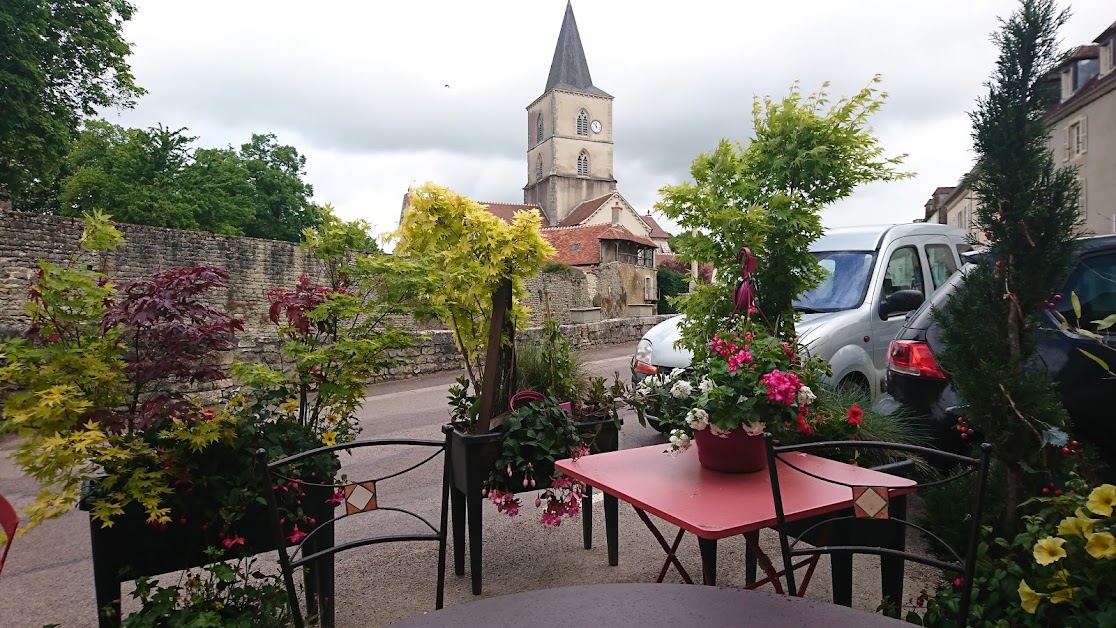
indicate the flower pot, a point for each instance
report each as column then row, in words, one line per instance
column 734, row 452
column 132, row 548
column 473, row 458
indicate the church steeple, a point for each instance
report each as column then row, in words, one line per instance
column 569, row 70
column 569, row 133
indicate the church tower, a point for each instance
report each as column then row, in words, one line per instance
column 569, row 133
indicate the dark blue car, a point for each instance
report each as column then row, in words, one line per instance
column 1088, row 392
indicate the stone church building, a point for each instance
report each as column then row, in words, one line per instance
column 570, row 179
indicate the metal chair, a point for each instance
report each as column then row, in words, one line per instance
column 9, row 521
column 357, row 497
column 871, row 504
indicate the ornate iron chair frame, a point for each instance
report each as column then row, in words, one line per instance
column 964, row 566
column 270, row 471
column 9, row 522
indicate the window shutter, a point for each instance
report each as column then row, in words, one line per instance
column 1084, row 135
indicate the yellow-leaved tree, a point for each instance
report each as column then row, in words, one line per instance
column 476, row 251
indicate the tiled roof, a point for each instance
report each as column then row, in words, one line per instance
column 942, row 190
column 1088, row 51
column 507, row 210
column 581, row 246
column 584, row 210
column 1108, row 31
column 657, row 232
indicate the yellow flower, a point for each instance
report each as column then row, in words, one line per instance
column 1061, row 579
column 1049, row 550
column 1081, row 525
column 1062, row 595
column 1101, row 545
column 289, row 407
column 1101, row 500
column 329, row 439
column 1028, row 599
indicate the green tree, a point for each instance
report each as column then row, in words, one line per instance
column 768, row 195
column 61, row 62
column 1028, row 209
column 283, row 208
column 132, row 172
column 154, row 177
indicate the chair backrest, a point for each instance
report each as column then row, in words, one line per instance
column 298, row 547
column 872, row 503
column 9, row 521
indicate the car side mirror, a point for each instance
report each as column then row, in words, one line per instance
column 901, row 301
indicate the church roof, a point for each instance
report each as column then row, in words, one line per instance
column 581, row 246
column 507, row 211
column 584, row 210
column 569, row 70
column 657, row 232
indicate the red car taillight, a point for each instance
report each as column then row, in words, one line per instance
column 913, row 357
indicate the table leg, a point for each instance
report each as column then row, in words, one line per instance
column 708, row 548
column 671, row 558
column 751, row 540
column 749, row 565
column 840, row 568
column 587, row 517
column 612, row 528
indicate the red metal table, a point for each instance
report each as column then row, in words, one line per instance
column 713, row 505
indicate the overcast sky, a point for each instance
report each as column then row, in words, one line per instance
column 382, row 95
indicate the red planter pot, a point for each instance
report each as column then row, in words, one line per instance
column 736, row 452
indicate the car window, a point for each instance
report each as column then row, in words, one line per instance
column 843, row 285
column 963, row 248
column 1094, row 283
column 942, row 264
column 903, row 272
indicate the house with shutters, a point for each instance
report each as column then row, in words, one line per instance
column 1082, row 135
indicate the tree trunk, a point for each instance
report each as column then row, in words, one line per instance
column 1009, row 519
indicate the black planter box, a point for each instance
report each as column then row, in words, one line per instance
column 472, row 460
column 131, row 548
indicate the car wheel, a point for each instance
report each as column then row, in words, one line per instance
column 855, row 382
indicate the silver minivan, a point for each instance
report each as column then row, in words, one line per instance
column 876, row 275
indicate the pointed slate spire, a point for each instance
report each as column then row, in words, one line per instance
column 569, row 69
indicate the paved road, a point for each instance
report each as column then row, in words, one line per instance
column 49, row 575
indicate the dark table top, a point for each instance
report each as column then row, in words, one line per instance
column 647, row 605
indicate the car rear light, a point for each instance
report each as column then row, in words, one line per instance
column 913, row 357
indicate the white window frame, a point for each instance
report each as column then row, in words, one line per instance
column 539, row 128
column 1077, row 138
column 583, row 123
column 583, row 164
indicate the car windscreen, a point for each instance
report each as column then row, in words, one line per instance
column 844, row 284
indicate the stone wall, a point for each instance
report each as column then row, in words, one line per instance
column 256, row 266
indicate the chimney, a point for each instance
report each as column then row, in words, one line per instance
column 616, row 214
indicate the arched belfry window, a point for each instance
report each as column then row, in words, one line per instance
column 539, row 128
column 583, row 123
column 538, row 168
column 583, row 164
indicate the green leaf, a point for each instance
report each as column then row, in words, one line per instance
column 1106, row 322
column 1076, row 305
column 1102, row 363
column 1055, row 437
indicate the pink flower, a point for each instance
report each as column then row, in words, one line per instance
column 297, row 535
column 551, row 519
column 229, row 542
column 337, row 498
column 561, row 482
column 781, row 387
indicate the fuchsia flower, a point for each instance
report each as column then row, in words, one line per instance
column 297, row 535
column 337, row 498
column 236, row 539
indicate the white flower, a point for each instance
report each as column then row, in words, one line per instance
column 681, row 389
column 697, row 419
column 706, row 385
column 676, row 373
column 755, row 428
column 679, row 441
column 806, row 396
column 741, row 399
column 718, row 432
